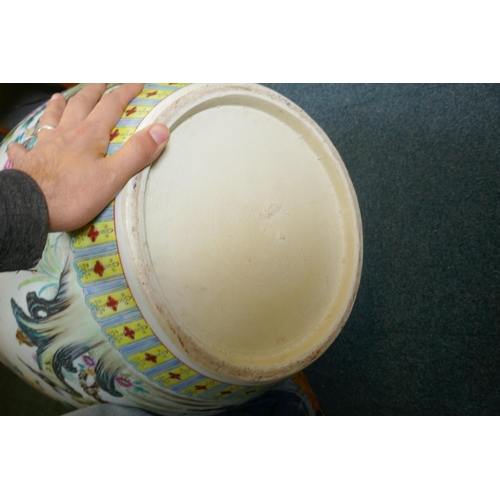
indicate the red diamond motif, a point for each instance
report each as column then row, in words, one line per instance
column 115, row 134
column 131, row 111
column 93, row 233
column 200, row 387
column 129, row 333
column 112, row 303
column 150, row 357
column 149, row 94
column 226, row 392
column 99, row 268
column 176, row 376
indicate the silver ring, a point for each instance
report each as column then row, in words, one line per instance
column 44, row 127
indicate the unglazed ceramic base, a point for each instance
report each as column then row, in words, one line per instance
column 228, row 265
column 246, row 234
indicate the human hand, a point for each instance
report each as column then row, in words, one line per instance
column 69, row 163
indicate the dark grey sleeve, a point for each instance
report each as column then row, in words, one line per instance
column 24, row 221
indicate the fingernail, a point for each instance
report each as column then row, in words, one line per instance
column 159, row 134
column 55, row 96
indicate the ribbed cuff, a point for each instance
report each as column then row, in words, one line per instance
column 24, row 221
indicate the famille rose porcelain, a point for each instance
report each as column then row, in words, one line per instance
column 224, row 268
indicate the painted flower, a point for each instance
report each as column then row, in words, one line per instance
column 29, row 142
column 123, row 381
column 89, row 360
column 8, row 165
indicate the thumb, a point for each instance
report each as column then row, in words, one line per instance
column 16, row 153
column 139, row 151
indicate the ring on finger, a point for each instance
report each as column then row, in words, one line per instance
column 44, row 127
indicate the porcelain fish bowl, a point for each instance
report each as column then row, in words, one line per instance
column 228, row 265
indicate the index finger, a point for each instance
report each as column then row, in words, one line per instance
column 110, row 108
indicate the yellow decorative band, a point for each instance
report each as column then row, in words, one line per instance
column 150, row 358
column 99, row 268
column 111, row 303
column 175, row 376
column 95, row 233
column 121, row 134
column 154, row 94
column 133, row 111
column 132, row 331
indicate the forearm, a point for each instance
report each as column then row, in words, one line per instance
column 24, row 221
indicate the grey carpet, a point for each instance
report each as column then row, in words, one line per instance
column 423, row 337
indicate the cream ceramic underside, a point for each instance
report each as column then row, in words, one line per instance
column 244, row 229
column 252, row 231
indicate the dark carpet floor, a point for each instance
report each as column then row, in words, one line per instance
column 424, row 335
